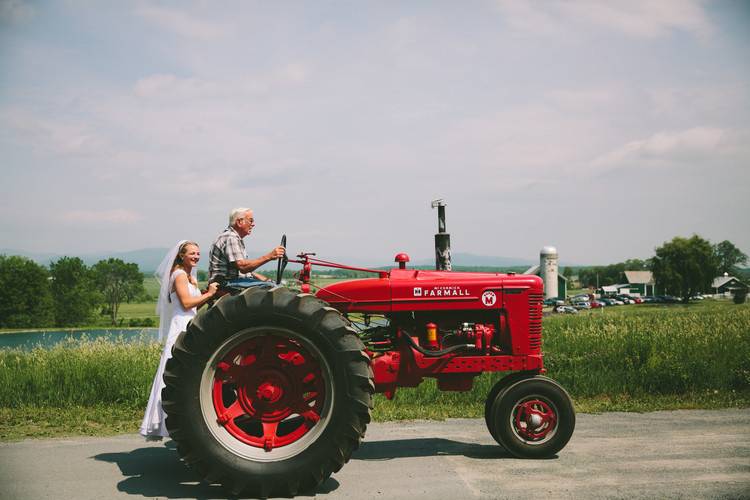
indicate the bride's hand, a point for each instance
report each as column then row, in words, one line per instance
column 212, row 287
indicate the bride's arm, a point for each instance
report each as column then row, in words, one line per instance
column 183, row 293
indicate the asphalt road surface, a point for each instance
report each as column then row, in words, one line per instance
column 680, row 454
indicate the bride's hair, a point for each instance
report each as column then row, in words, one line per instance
column 181, row 253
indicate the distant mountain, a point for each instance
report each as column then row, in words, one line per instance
column 469, row 259
column 148, row 259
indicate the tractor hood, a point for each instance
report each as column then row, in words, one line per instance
column 418, row 290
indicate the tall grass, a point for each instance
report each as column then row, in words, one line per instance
column 661, row 351
column 668, row 351
column 79, row 374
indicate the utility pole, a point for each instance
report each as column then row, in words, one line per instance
column 442, row 239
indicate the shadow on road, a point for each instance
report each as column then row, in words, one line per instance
column 158, row 472
column 426, row 447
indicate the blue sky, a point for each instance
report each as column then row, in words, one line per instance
column 602, row 128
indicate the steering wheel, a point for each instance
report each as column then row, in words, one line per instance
column 282, row 262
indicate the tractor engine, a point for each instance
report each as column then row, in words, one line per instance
column 448, row 325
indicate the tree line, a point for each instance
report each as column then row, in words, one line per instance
column 68, row 293
column 684, row 266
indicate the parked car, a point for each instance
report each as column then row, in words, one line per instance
column 553, row 302
column 581, row 305
column 606, row 301
column 566, row 309
column 596, row 304
column 625, row 299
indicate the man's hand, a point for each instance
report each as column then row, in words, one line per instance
column 276, row 253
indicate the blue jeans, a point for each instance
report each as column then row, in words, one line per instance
column 248, row 282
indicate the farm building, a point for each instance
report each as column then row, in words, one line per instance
column 640, row 282
column 724, row 285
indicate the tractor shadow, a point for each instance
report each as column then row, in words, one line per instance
column 156, row 471
column 427, row 447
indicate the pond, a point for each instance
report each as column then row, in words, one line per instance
column 50, row 338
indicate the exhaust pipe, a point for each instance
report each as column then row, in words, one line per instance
column 442, row 239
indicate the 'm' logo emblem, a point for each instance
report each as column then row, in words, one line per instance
column 489, row 299
column 417, row 291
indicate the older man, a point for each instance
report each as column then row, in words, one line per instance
column 228, row 259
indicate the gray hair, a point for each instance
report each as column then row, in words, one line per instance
column 237, row 213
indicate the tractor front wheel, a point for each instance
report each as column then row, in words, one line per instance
column 532, row 417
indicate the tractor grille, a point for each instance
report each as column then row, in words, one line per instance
column 535, row 321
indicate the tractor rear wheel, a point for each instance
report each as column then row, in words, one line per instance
column 268, row 392
column 532, row 417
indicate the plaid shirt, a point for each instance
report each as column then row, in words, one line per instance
column 225, row 251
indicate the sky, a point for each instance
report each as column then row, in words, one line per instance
column 603, row 128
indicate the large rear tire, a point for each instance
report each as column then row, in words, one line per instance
column 268, row 392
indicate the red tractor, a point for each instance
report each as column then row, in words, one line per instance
column 269, row 391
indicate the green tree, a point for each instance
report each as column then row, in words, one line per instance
column 729, row 257
column 634, row 265
column 25, row 297
column 73, row 291
column 685, row 266
column 118, row 282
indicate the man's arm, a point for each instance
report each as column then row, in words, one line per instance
column 249, row 265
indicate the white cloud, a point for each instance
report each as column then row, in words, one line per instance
column 15, row 11
column 644, row 18
column 169, row 87
column 54, row 136
column 636, row 18
column 182, row 23
column 121, row 216
column 583, row 100
column 174, row 88
column 671, row 146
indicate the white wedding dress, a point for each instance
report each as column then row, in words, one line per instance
column 153, row 421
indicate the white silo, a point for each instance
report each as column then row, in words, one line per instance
column 548, row 271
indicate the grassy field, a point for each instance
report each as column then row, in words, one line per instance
column 628, row 358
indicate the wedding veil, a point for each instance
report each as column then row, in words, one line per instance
column 164, row 304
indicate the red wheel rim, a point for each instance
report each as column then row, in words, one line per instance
column 268, row 391
column 534, row 420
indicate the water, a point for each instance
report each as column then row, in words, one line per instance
column 49, row 338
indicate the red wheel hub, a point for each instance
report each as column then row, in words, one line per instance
column 268, row 391
column 534, row 419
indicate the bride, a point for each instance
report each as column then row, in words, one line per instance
column 179, row 299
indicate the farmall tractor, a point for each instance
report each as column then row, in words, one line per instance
column 269, row 391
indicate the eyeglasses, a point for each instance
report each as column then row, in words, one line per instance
column 249, row 221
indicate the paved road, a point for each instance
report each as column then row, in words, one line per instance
column 682, row 454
